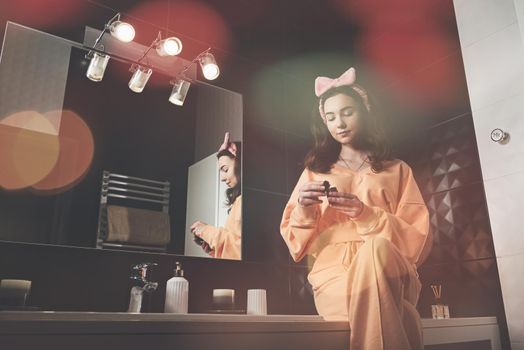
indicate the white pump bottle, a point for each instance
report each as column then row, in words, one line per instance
column 177, row 290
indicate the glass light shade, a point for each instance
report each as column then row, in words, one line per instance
column 169, row 47
column 122, row 31
column 139, row 79
column 97, row 66
column 209, row 66
column 179, row 92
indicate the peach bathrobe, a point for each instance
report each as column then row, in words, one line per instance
column 365, row 268
column 226, row 241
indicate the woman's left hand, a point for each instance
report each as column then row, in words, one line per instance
column 346, row 202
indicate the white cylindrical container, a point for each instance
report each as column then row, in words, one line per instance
column 177, row 291
column 256, row 302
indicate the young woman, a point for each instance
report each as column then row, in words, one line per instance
column 225, row 242
column 367, row 227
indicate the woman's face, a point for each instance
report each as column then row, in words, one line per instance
column 226, row 168
column 342, row 116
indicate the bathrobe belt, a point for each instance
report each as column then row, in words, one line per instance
column 339, row 233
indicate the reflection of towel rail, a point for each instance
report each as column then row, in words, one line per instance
column 137, row 198
column 163, row 183
column 137, row 192
column 112, row 188
column 137, row 185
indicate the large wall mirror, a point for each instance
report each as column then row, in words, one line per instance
column 94, row 164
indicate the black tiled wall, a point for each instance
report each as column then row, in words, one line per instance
column 447, row 168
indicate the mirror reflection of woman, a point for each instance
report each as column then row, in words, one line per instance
column 367, row 227
column 225, row 242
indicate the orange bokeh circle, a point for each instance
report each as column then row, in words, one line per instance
column 29, row 149
column 76, row 154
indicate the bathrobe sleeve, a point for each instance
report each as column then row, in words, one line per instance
column 226, row 241
column 299, row 224
column 408, row 227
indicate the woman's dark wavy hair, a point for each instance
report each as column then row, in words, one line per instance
column 370, row 138
column 233, row 192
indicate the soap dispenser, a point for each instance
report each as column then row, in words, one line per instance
column 177, row 290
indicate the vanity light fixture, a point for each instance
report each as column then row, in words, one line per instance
column 179, row 92
column 170, row 46
column 98, row 61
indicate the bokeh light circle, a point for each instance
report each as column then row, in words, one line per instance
column 76, row 154
column 27, row 155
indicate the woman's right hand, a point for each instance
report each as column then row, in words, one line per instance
column 310, row 192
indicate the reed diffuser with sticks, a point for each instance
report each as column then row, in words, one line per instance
column 438, row 310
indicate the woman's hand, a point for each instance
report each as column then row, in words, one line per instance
column 309, row 193
column 207, row 248
column 346, row 202
column 196, row 229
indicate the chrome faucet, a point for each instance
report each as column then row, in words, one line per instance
column 142, row 285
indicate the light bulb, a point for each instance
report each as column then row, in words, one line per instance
column 169, row 47
column 209, row 66
column 122, row 31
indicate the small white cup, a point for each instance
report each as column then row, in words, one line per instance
column 256, row 302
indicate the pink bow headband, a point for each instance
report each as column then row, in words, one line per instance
column 229, row 146
column 323, row 84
